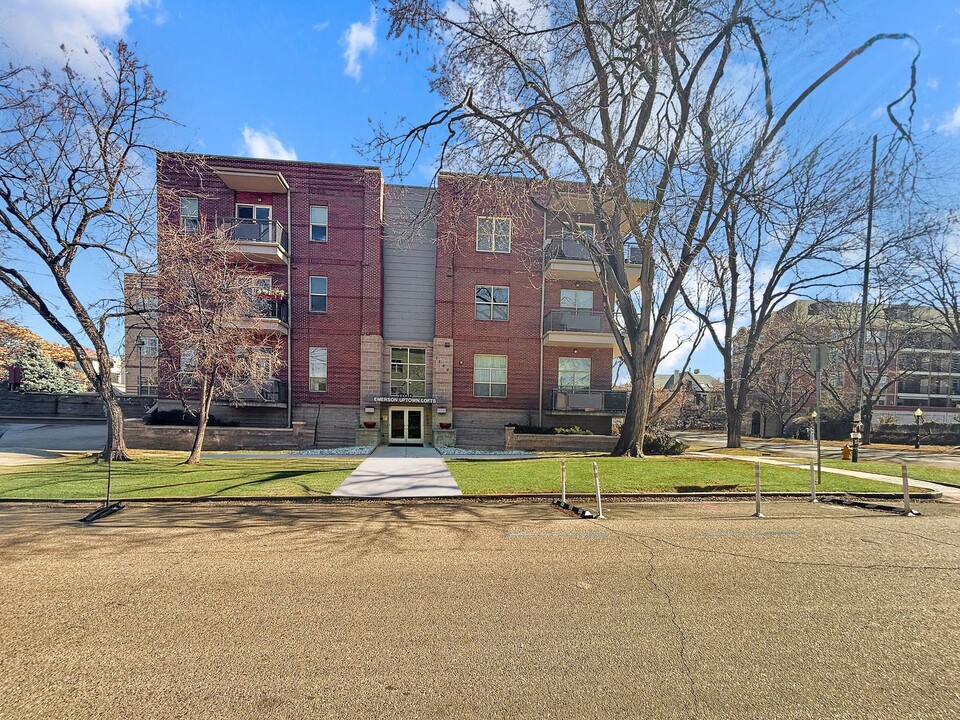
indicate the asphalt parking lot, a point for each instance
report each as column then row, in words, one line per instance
column 391, row 609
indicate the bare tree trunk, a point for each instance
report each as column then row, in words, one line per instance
column 206, row 399
column 115, row 447
column 630, row 442
column 734, row 427
column 867, row 419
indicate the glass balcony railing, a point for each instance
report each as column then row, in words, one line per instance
column 567, row 248
column 244, row 230
column 584, row 321
column 586, row 400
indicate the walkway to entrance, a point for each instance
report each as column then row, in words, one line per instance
column 398, row 471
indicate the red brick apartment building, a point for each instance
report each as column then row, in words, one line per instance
column 409, row 315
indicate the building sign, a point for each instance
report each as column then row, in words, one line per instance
column 404, row 398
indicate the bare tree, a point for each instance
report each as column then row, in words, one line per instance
column 890, row 329
column 209, row 315
column 624, row 104
column 792, row 233
column 75, row 183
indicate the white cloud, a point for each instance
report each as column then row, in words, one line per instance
column 265, row 144
column 322, row 25
column 360, row 38
column 951, row 125
column 35, row 29
column 933, row 84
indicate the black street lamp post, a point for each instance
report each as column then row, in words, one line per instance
column 918, row 414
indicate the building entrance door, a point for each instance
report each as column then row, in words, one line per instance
column 406, row 426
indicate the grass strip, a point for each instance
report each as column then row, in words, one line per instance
column 164, row 475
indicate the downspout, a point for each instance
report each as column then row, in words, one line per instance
column 543, row 285
column 289, row 312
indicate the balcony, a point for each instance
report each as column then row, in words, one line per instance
column 566, row 258
column 581, row 400
column 581, row 328
column 273, row 392
column 274, row 317
column 257, row 241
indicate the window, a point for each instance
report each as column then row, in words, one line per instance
column 190, row 215
column 318, row 294
column 147, row 384
column 574, row 373
column 576, row 299
column 493, row 302
column 584, row 233
column 318, row 223
column 149, row 347
column 318, row 369
column 408, row 371
column 254, row 212
column 188, row 359
column 490, row 375
column 493, row 234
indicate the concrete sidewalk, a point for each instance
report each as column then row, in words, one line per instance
column 950, row 493
column 400, row 471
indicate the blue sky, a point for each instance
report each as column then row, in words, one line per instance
column 303, row 79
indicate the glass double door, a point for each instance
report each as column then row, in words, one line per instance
column 406, row 426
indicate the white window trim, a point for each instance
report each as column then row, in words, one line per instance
column 493, row 238
column 326, row 367
column 311, row 223
column 506, row 374
column 268, row 208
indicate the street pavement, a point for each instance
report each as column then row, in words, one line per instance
column 52, row 436
column 449, row 610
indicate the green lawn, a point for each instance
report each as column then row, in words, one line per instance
column 654, row 474
column 946, row 476
column 163, row 475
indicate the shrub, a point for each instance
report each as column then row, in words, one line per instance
column 539, row 430
column 183, row 417
column 657, row 442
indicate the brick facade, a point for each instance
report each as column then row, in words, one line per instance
column 351, row 329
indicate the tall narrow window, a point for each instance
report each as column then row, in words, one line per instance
column 190, row 215
column 318, row 223
column 149, row 346
column 408, row 371
column 576, row 299
column 493, row 302
column 493, row 234
column 490, row 375
column 574, row 373
column 318, row 369
column 318, row 294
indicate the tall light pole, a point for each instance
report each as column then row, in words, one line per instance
column 918, row 414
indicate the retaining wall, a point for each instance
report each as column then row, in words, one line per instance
column 174, row 437
column 558, row 443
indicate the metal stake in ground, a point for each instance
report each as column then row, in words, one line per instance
column 813, row 483
column 107, row 508
column 596, row 484
column 563, row 480
column 756, row 483
column 906, row 492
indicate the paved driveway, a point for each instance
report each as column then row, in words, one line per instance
column 390, row 610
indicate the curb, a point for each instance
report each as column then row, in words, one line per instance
column 528, row 497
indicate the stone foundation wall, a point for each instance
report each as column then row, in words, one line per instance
column 171, row 437
column 74, row 405
column 558, row 443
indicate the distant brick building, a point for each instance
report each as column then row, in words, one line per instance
column 408, row 314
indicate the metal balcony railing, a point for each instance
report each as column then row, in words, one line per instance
column 585, row 400
column 568, row 248
column 588, row 321
column 269, row 232
column 274, row 309
column 272, row 391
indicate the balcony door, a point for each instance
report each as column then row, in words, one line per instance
column 254, row 221
column 406, row 426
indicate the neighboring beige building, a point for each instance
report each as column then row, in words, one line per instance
column 140, row 339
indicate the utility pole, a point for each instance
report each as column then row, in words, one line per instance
column 856, row 431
